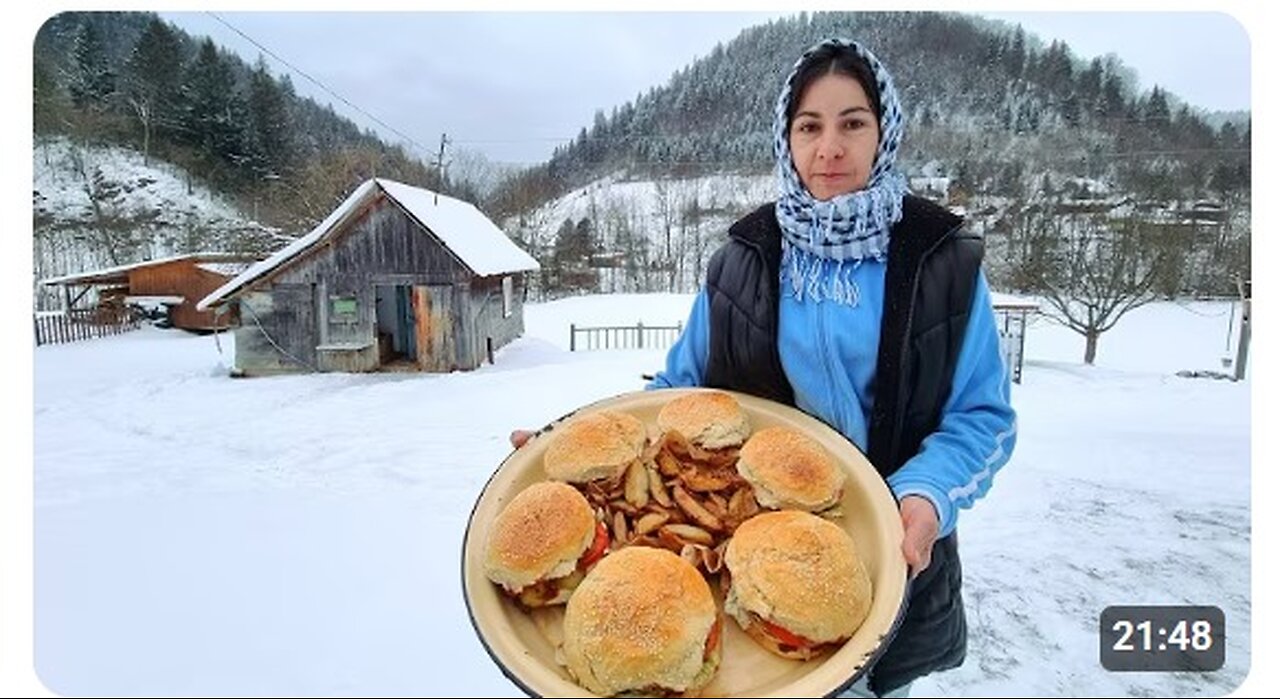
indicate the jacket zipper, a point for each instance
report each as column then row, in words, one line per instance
column 825, row 347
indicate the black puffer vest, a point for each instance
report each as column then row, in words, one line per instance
column 929, row 285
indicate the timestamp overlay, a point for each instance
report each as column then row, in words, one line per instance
column 1167, row 638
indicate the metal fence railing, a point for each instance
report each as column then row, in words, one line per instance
column 638, row 336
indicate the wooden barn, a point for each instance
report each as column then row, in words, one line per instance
column 396, row 278
column 176, row 283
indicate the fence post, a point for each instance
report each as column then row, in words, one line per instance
column 1242, row 344
column 572, row 336
column 640, row 334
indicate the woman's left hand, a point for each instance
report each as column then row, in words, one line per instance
column 920, row 530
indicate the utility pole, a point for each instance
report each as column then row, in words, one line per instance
column 444, row 138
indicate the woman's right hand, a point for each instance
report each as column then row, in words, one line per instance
column 519, row 437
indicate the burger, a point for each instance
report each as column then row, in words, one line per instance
column 788, row 470
column 595, row 446
column 795, row 583
column 643, row 623
column 542, row 544
column 708, row 419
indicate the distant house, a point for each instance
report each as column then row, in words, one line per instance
column 396, row 277
column 172, row 283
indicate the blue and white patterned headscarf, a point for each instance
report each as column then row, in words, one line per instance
column 848, row 228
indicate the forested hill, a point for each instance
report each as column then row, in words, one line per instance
column 988, row 106
column 132, row 80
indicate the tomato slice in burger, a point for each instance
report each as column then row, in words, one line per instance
column 785, row 637
column 598, row 547
column 713, row 639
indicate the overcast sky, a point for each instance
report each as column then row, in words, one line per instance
column 514, row 85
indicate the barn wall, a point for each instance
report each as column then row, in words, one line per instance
column 486, row 308
column 276, row 334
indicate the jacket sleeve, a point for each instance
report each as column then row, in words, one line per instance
column 687, row 358
column 978, row 430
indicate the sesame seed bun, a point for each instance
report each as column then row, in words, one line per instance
column 595, row 445
column 800, row 572
column 639, row 622
column 788, row 470
column 539, row 535
column 709, row 419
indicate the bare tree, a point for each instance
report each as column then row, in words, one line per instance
column 1091, row 268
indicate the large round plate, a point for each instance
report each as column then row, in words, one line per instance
column 524, row 645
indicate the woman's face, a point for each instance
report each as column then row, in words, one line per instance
column 834, row 136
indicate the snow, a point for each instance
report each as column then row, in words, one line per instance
column 300, row 535
column 463, row 229
column 64, row 172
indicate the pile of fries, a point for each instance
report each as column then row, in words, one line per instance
column 677, row 496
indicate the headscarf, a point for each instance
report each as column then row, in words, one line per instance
column 848, row 228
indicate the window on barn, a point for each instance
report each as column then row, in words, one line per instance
column 344, row 318
column 508, row 296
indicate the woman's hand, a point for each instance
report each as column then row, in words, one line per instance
column 920, row 530
column 519, row 437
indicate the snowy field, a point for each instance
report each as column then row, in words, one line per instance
column 202, row 535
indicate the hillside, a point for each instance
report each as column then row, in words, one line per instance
column 988, row 105
column 100, row 206
column 999, row 126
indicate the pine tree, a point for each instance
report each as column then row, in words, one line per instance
column 1155, row 111
column 150, row 80
column 267, row 139
column 91, row 82
column 211, row 109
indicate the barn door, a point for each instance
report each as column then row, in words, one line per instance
column 405, row 331
column 434, row 328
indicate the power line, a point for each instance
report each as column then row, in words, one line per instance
column 319, row 84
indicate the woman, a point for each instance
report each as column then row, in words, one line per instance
column 866, row 307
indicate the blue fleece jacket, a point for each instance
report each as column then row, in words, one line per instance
column 829, row 354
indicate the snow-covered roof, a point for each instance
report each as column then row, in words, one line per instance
column 226, row 269
column 121, row 272
column 466, row 232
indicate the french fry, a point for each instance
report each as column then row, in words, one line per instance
column 637, row 485
column 622, row 506
column 695, row 510
column 668, row 464
column 658, row 490
column 620, row 528
column 669, row 541
column 651, row 521
column 688, row 533
column 715, row 505
column 742, row 504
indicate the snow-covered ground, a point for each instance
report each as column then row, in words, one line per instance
column 198, row 534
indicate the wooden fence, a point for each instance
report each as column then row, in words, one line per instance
column 83, row 324
column 638, row 336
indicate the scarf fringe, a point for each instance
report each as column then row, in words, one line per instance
column 803, row 275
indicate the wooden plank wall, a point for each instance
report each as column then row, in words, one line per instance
column 181, row 278
column 277, row 331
